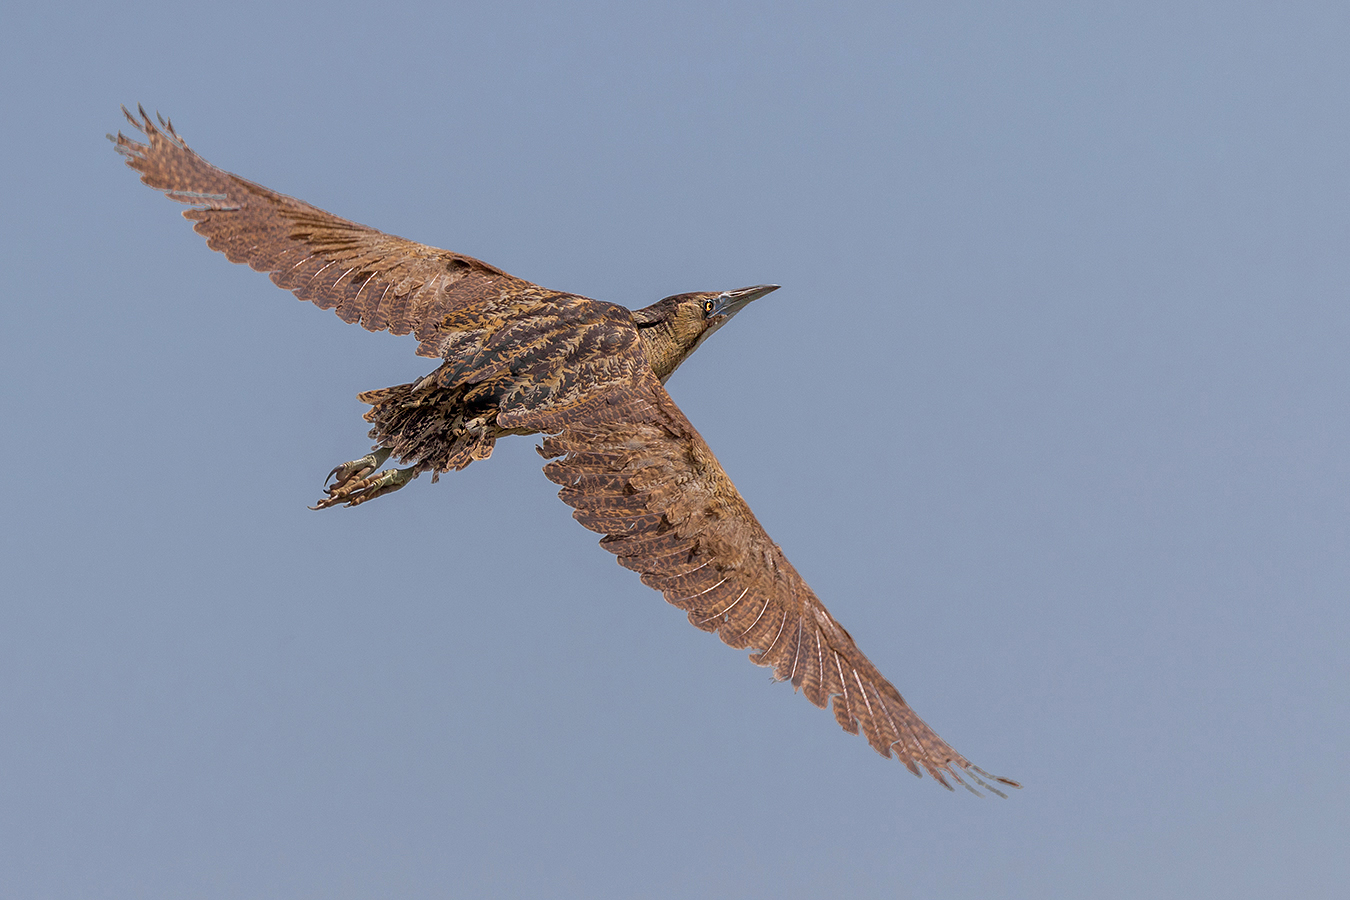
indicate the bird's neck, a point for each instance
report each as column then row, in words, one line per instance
column 667, row 345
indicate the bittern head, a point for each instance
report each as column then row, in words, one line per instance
column 674, row 327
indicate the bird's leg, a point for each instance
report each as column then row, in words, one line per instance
column 357, row 481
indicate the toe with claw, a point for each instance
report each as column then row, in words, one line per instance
column 358, row 468
column 358, row 481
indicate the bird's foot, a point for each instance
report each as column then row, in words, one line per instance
column 357, row 468
column 357, row 481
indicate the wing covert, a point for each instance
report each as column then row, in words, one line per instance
column 648, row 481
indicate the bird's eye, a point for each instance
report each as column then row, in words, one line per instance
column 708, row 307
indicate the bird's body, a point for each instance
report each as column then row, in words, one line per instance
column 521, row 359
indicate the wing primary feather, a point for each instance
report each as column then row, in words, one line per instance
column 869, row 724
column 796, row 657
column 818, row 691
column 843, row 705
column 910, row 750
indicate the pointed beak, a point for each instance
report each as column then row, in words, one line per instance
column 733, row 302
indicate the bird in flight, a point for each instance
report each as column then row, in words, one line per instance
column 517, row 358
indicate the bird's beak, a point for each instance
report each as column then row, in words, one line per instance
column 733, row 302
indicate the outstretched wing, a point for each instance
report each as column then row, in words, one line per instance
column 559, row 354
column 367, row 276
column 642, row 476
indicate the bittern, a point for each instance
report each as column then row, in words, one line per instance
column 517, row 358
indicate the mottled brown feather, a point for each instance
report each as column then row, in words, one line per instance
column 519, row 358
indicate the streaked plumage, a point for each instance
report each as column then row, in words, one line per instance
column 589, row 376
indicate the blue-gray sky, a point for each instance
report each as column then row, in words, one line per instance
column 1051, row 411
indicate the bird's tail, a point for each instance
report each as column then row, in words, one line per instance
column 429, row 426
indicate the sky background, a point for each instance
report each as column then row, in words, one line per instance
column 1051, row 411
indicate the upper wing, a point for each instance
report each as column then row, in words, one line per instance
column 644, row 477
column 382, row 281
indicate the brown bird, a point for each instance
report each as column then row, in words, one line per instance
column 589, row 376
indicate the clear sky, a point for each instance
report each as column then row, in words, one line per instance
column 1051, row 411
